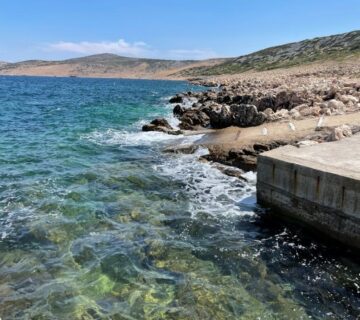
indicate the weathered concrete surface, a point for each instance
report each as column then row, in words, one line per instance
column 318, row 185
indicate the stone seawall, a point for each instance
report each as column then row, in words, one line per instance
column 318, row 185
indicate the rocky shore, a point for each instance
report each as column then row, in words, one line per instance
column 244, row 115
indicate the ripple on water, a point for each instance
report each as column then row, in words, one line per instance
column 97, row 223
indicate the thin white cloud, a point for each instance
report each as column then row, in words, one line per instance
column 121, row 47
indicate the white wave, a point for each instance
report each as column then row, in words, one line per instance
column 187, row 103
column 210, row 190
column 126, row 138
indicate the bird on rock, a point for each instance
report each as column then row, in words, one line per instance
column 291, row 126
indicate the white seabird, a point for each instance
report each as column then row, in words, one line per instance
column 320, row 122
column 292, row 126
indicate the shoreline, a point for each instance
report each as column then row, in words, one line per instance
column 247, row 114
column 241, row 120
column 93, row 77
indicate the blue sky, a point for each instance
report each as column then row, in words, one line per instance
column 172, row 29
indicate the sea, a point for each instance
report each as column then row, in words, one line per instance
column 97, row 222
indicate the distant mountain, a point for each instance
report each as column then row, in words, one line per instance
column 335, row 47
column 104, row 66
column 2, row 63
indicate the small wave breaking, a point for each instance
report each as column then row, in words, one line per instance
column 210, row 190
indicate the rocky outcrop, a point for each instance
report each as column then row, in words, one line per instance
column 243, row 158
column 247, row 102
column 192, row 119
column 219, row 116
column 253, row 100
column 161, row 125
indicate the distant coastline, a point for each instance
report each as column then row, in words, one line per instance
column 342, row 48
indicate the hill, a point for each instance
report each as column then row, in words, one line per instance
column 336, row 47
column 341, row 47
column 104, row 66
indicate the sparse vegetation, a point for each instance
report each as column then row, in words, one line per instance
column 337, row 47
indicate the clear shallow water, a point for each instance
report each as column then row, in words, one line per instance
column 97, row 223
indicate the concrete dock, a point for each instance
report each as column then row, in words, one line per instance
column 317, row 185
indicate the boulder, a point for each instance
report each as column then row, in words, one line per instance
column 182, row 148
column 246, row 115
column 279, row 115
column 294, row 114
column 340, row 133
column 241, row 115
column 161, row 122
column 244, row 99
column 161, row 125
column 301, row 107
column 329, row 95
column 230, row 171
column 287, row 100
column 267, row 102
column 336, row 105
column 193, row 118
column 347, row 99
column 223, row 99
column 306, row 143
column 326, row 111
column 219, row 115
column 210, row 95
column 268, row 112
column 310, row 111
column 178, row 110
column 196, row 105
column 177, row 99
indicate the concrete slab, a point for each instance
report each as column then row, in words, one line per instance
column 318, row 185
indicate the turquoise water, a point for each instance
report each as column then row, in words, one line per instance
column 97, row 223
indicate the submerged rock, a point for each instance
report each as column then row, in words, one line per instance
column 183, row 148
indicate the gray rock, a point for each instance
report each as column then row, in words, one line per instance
column 220, row 116
column 178, row 110
column 161, row 122
column 268, row 102
column 161, row 125
column 287, row 100
column 244, row 99
column 340, row 133
column 177, row 99
column 193, row 118
column 246, row 115
column 336, row 105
